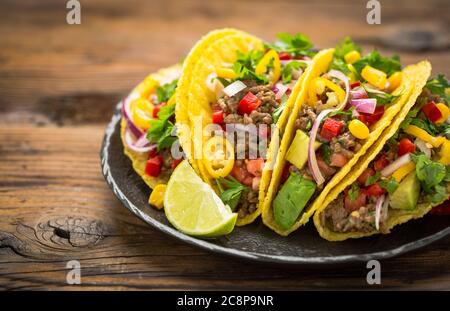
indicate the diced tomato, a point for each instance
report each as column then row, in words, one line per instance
column 381, row 163
column 366, row 174
column 338, row 160
column 255, row 167
column 284, row 56
column 405, row 146
column 331, row 128
column 353, row 205
column 443, row 209
column 285, row 173
column 355, row 84
column 153, row 166
column 374, row 190
column 432, row 111
column 217, row 117
column 248, row 103
column 153, row 151
column 370, row 119
column 156, row 109
column 325, row 169
column 242, row 175
column 175, row 162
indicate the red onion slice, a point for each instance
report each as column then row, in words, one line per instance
column 281, row 90
column 378, row 207
column 365, row 105
column 391, row 168
column 132, row 144
column 358, row 93
column 312, row 160
column 127, row 115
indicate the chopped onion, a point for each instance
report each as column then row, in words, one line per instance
column 382, row 203
column 339, row 75
column 422, row 145
column 312, row 160
column 365, row 105
column 210, row 82
column 234, row 88
column 132, row 144
column 127, row 115
column 391, row 168
column 358, row 93
column 281, row 90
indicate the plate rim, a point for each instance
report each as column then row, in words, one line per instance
column 254, row 256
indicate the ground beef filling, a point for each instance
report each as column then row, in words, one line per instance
column 248, row 202
column 339, row 219
column 261, row 115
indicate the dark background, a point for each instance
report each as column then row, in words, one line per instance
column 59, row 84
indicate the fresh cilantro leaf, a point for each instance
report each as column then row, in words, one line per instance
column 165, row 92
column 345, row 46
column 439, row 85
column 245, row 65
column 296, row 45
column 348, row 113
column 161, row 130
column 372, row 179
column 232, row 194
column 389, row 184
column 382, row 98
column 286, row 73
column 388, row 65
column 354, row 191
column 439, row 195
column 428, row 172
column 326, row 153
column 279, row 110
column 411, row 114
column 426, row 125
column 339, row 64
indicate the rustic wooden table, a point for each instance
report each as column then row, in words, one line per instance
column 58, row 86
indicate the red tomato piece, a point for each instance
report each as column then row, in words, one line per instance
column 325, row 169
column 355, row 84
column 153, row 166
column 370, row 119
column 353, row 205
column 366, row 174
column 338, row 160
column 432, row 111
column 381, row 163
column 248, row 103
column 217, row 117
column 405, row 146
column 156, row 109
column 255, row 167
column 331, row 128
column 284, row 56
column 374, row 190
column 242, row 175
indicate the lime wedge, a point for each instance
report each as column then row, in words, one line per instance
column 193, row 207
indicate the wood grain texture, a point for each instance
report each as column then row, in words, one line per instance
column 58, row 87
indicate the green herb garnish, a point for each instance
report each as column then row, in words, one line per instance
column 232, row 194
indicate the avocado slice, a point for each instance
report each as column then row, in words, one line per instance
column 292, row 199
column 407, row 193
column 297, row 153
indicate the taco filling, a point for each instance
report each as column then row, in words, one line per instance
column 149, row 112
column 342, row 109
column 251, row 95
column 412, row 169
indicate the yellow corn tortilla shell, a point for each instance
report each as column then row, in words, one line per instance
column 199, row 99
column 321, row 64
column 139, row 160
column 416, row 75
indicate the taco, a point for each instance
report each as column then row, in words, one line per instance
column 146, row 126
column 242, row 89
column 404, row 174
column 348, row 102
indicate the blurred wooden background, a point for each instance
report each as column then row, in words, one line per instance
column 58, row 86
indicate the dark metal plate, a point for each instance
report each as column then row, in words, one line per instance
column 255, row 241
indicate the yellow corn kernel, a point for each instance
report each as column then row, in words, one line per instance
column 358, row 129
column 355, row 214
column 403, row 171
column 226, row 73
column 422, row 134
column 157, row 196
column 374, row 76
column 445, row 153
column 445, row 111
column 394, row 81
column 147, row 87
column 352, row 57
